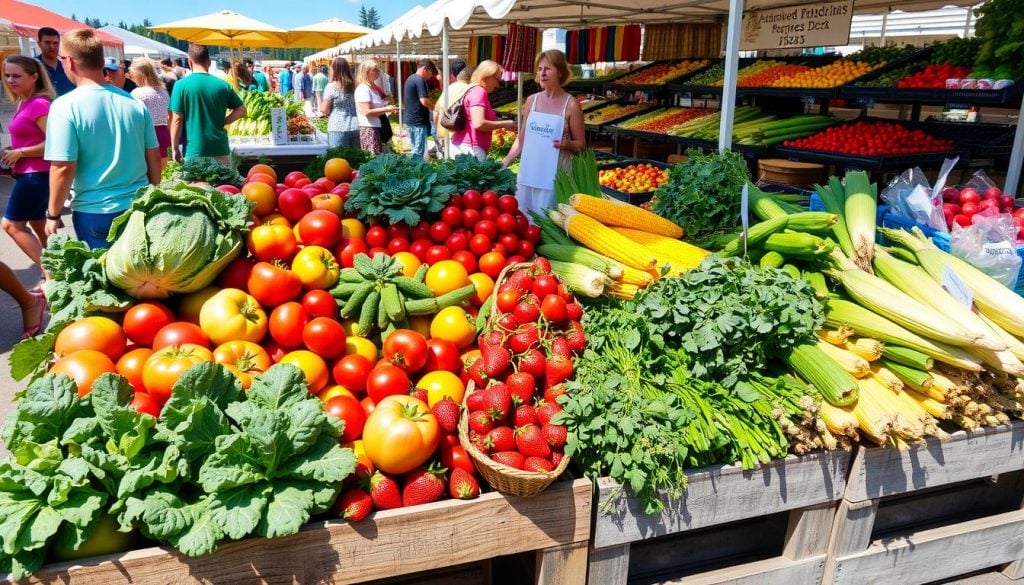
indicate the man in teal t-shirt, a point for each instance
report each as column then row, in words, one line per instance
column 319, row 85
column 201, row 103
column 101, row 144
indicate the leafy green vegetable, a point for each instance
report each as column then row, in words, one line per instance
column 466, row 172
column 355, row 157
column 400, row 189
column 1000, row 27
column 175, row 238
column 703, row 193
column 203, row 169
column 730, row 317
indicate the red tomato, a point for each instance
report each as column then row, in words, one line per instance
column 452, row 216
column 320, row 303
column 320, row 228
column 508, row 204
column 456, row 457
column 487, row 228
column 347, row 251
column 456, row 201
column 532, row 234
column 467, row 259
column 351, row 371
column 286, row 324
column 83, row 366
column 294, row 203
column 292, row 178
column 142, row 321
column 480, row 244
column 553, row 308
column 398, row 230
column 130, row 366
column 398, row 245
column 507, row 300
column 443, row 356
column 406, row 349
column 324, row 337
column 436, row 254
column 489, row 213
column 273, row 285
column 378, row 250
column 506, row 223
column 236, row 275
column 471, row 199
column 510, row 242
column 439, row 232
column 275, row 350
column 470, row 217
column 491, row 263
column 368, row 405
column 179, row 333
column 387, row 380
column 272, row 242
column 349, row 411
column 421, row 231
column 489, row 197
column 544, row 285
column 457, row 242
column 419, row 248
column 377, row 237
column 525, row 250
column 145, row 404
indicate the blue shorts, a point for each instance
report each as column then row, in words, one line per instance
column 92, row 228
column 29, row 198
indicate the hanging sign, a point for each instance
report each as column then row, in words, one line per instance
column 824, row 24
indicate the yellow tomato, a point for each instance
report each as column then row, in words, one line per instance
column 410, row 263
column 455, row 325
column 421, row 324
column 231, row 315
column 276, row 219
column 441, row 384
column 192, row 303
column 316, row 267
column 298, row 238
column 361, row 346
column 353, row 228
column 446, row 276
column 484, row 287
column 313, row 367
column 335, row 390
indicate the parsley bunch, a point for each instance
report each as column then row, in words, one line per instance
column 703, row 193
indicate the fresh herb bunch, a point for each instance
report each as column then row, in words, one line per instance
column 730, row 317
column 960, row 52
column 703, row 193
column 355, row 157
column 400, row 189
column 466, row 172
column 1000, row 28
column 218, row 463
column 203, row 169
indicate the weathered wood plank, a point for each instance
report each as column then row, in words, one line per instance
column 608, row 566
column 851, row 532
column 775, row 571
column 565, row 564
column 725, row 493
column 880, row 471
column 808, row 531
column 390, row 543
column 939, row 553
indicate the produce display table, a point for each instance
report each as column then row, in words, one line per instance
column 308, row 149
column 867, row 163
column 390, row 543
column 807, row 487
column 901, row 543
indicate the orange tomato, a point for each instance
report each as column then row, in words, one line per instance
column 262, row 169
column 84, row 366
column 400, row 434
column 270, row 242
column 491, row 264
column 410, row 263
column 263, row 195
column 261, row 178
column 338, row 170
column 446, row 276
column 484, row 287
column 420, row 324
column 99, row 333
column 276, row 219
column 364, row 467
column 244, row 359
column 130, row 366
column 162, row 369
column 335, row 390
column 353, row 229
column 313, row 367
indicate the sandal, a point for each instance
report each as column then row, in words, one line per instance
column 38, row 327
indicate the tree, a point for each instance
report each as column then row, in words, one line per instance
column 373, row 18
column 363, row 16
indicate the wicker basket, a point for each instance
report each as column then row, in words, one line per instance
column 503, row 478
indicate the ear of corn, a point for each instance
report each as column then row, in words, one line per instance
column 850, row 361
column 887, row 378
column 1012, row 343
column 771, row 260
column 622, row 214
column 603, row 240
column 936, row 408
column 811, row 221
column 580, row 255
column 631, row 275
column 581, row 279
column 1003, row 361
column 756, row 235
column 817, row 281
column 908, row 357
column 865, row 347
column 680, row 255
column 763, row 205
column 919, row 380
column 840, row 420
column 620, row 290
column 798, row 245
column 834, row 383
column 834, row 198
column 861, row 207
column 835, row 336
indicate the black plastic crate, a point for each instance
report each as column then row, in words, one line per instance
column 622, row 118
column 869, row 163
column 634, row 198
column 617, row 85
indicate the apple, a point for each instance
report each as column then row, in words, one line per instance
column 951, row 195
column 969, row 196
column 969, row 208
column 992, row 193
column 331, row 202
column 293, row 204
column 228, row 189
column 292, row 178
column 962, row 220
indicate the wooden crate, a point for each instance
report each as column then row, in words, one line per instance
column 805, row 488
column 555, row 524
column 895, row 523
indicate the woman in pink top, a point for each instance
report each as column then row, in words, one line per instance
column 27, row 85
column 475, row 138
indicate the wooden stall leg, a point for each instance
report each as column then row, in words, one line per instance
column 565, row 564
column 851, row 532
column 1015, row 570
column 609, row 566
column 808, row 531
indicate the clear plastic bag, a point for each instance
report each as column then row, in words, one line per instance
column 990, row 244
column 910, row 195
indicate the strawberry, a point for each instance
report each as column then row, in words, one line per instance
column 524, row 415
column 556, row 456
column 560, row 347
column 478, row 441
column 522, row 386
column 575, row 337
column 481, row 422
column 446, row 411
column 475, row 401
column 531, row 442
column 419, row 394
column 496, row 359
column 573, row 311
column 542, row 265
column 424, row 485
column 462, row 485
column 490, row 337
column 354, row 505
column 554, row 434
column 510, row 458
column 524, row 338
column 477, row 374
column 532, row 362
column 537, row 464
column 557, row 369
column 501, row 439
column 384, row 492
column 552, row 392
column 498, row 401
column 519, row 279
column 546, row 410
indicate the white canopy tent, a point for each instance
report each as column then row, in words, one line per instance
column 136, row 45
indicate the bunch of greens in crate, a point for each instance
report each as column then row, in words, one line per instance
column 218, row 463
column 703, row 194
column 355, row 157
column 399, row 189
column 465, row 172
column 582, row 178
column 205, row 170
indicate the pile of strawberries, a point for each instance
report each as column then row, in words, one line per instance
column 526, row 356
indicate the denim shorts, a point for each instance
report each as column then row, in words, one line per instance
column 92, row 228
column 29, row 198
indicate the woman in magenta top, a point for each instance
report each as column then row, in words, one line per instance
column 27, row 85
column 475, row 138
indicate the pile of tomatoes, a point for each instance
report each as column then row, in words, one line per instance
column 934, row 76
column 872, row 138
column 638, row 178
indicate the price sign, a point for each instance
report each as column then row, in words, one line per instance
column 956, row 287
column 816, row 24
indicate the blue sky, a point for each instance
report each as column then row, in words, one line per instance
column 279, row 13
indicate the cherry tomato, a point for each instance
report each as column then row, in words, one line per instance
column 387, row 380
column 510, row 242
column 348, row 250
column 406, row 349
column 457, row 242
column 491, row 263
column 471, row 199
column 489, row 213
column 313, row 368
column 397, row 245
column 507, row 300
column 130, row 366
column 377, row 237
column 553, row 308
column 419, row 249
column 421, row 231
column 145, row 404
column 324, row 337
column 470, row 217
column 440, row 231
column 487, row 228
column 287, row 322
column 179, row 333
column 319, row 303
column 452, row 216
column 351, row 371
column 456, row 457
column 398, row 231
column 506, row 223
column 349, row 411
column 437, row 254
column 544, row 285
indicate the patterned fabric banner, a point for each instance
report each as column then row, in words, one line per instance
column 486, row 47
column 675, row 41
column 606, row 43
column 521, row 47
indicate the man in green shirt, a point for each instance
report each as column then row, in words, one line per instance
column 201, row 103
column 319, row 85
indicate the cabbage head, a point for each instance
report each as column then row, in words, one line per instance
column 175, row 238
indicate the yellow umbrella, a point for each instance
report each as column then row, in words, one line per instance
column 225, row 28
column 325, row 34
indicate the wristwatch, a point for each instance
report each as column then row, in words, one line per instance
column 52, row 217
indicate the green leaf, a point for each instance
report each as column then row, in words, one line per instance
column 82, row 507
column 278, row 388
column 326, row 462
column 306, row 422
column 290, row 506
column 154, row 467
column 31, row 355
column 238, row 511
column 110, row 396
column 236, row 463
column 192, row 424
column 47, row 409
column 209, row 380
